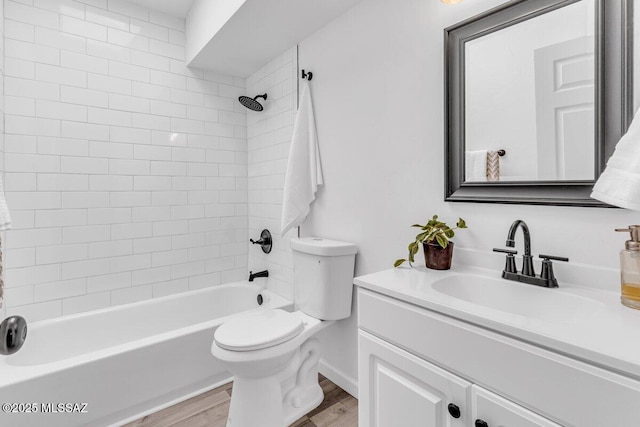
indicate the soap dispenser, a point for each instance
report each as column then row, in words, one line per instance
column 630, row 268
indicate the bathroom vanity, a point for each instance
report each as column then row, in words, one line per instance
column 466, row 348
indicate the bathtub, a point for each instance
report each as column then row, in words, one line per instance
column 123, row 362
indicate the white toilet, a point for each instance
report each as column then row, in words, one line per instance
column 272, row 353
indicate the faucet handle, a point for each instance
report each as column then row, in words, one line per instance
column 554, row 258
column 265, row 241
column 505, row 251
column 547, row 269
column 510, row 263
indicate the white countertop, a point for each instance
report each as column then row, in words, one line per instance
column 608, row 336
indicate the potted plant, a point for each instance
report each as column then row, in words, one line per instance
column 435, row 238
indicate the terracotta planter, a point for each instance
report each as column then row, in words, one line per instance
column 436, row 257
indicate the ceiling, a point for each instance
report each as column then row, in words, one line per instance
column 262, row 29
column 259, row 31
column 178, row 8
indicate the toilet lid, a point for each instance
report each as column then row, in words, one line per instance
column 258, row 330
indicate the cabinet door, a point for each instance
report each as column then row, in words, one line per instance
column 400, row 389
column 496, row 411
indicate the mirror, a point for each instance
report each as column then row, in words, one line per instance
column 528, row 116
column 532, row 93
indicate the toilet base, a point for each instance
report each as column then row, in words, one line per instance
column 279, row 399
column 255, row 402
column 312, row 402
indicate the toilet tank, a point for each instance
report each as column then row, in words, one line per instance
column 323, row 277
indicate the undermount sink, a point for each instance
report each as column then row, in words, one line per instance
column 517, row 298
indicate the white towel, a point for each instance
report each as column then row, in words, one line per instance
column 304, row 172
column 475, row 165
column 5, row 217
column 619, row 184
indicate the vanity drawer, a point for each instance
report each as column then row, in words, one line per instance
column 562, row 389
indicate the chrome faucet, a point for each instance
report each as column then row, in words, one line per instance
column 253, row 275
column 527, row 275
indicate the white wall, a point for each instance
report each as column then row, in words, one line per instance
column 378, row 86
column 125, row 171
column 268, row 139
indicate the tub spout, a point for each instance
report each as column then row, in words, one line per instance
column 253, row 275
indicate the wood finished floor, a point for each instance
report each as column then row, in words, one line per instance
column 338, row 409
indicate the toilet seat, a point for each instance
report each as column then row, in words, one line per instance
column 258, row 330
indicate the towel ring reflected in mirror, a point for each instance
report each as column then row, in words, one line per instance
column 479, row 116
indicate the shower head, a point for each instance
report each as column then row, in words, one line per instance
column 251, row 103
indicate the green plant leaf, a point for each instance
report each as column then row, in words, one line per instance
column 417, row 225
column 413, row 249
column 442, row 241
column 420, row 237
column 399, row 262
column 461, row 223
column 435, row 217
column 429, row 237
column 449, row 233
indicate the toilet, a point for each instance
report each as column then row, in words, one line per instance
column 273, row 354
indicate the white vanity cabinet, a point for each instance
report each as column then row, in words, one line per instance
column 497, row 411
column 400, row 389
column 414, row 362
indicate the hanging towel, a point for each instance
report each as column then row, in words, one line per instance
column 619, row 184
column 493, row 166
column 5, row 224
column 304, row 172
column 475, row 164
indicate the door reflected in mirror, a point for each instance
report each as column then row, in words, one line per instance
column 530, row 90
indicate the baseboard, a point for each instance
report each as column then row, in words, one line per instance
column 339, row 378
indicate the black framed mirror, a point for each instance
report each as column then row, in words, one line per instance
column 540, row 90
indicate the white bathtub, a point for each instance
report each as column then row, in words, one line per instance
column 122, row 362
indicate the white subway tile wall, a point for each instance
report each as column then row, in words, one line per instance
column 126, row 171
column 269, row 138
column 2, row 142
